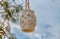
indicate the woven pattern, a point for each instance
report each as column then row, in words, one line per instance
column 28, row 20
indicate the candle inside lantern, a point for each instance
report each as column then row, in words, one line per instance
column 28, row 19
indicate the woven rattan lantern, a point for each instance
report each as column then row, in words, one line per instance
column 28, row 19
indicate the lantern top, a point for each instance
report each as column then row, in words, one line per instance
column 27, row 6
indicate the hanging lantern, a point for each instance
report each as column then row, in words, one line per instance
column 28, row 19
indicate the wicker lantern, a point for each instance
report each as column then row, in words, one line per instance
column 28, row 19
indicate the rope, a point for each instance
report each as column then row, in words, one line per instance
column 27, row 5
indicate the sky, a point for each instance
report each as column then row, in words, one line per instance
column 48, row 21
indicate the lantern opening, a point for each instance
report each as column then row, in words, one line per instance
column 28, row 30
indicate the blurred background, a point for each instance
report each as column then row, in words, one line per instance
column 48, row 20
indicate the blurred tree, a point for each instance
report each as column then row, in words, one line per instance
column 10, row 11
column 0, row 37
column 12, row 36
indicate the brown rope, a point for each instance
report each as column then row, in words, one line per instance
column 27, row 5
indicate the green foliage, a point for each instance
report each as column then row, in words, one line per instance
column 8, row 13
column 0, row 28
column 5, row 4
column 0, row 37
